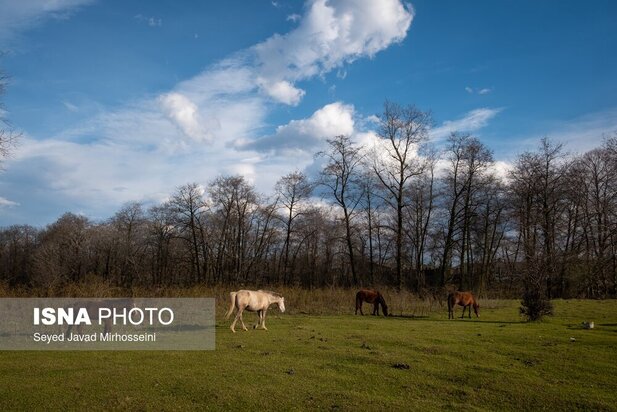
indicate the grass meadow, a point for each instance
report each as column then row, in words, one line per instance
column 318, row 355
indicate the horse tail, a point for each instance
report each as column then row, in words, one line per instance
column 232, row 304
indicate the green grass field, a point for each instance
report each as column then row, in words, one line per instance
column 345, row 363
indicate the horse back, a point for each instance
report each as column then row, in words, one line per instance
column 368, row 295
column 461, row 298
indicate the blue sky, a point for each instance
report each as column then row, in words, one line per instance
column 121, row 101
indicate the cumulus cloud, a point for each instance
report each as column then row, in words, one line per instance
column 306, row 134
column 209, row 124
column 502, row 168
column 184, row 113
column 282, row 91
column 17, row 16
column 330, row 34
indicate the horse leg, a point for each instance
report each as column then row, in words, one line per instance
column 463, row 315
column 376, row 308
column 233, row 324
column 469, row 311
column 238, row 316
column 242, row 321
column 255, row 326
column 263, row 319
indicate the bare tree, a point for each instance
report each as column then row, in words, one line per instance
column 189, row 206
column 340, row 176
column 64, row 254
column 468, row 159
column 129, row 224
column 291, row 189
column 160, row 234
column 538, row 188
column 402, row 131
column 234, row 206
column 419, row 214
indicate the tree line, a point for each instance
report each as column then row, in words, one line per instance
column 400, row 213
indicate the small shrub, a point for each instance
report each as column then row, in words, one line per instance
column 535, row 305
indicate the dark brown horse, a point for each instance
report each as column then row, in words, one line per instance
column 464, row 299
column 371, row 296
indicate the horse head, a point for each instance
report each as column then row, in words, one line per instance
column 384, row 307
column 281, row 303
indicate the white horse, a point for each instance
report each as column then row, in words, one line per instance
column 254, row 301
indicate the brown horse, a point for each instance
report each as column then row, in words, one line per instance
column 371, row 296
column 464, row 299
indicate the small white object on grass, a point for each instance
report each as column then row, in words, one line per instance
column 572, row 340
column 588, row 325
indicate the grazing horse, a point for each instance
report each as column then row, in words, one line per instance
column 93, row 307
column 371, row 296
column 254, row 301
column 464, row 299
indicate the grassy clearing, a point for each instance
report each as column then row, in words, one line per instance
column 345, row 362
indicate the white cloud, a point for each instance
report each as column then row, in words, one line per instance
column 149, row 20
column 306, row 134
column 293, row 17
column 70, row 107
column 7, row 203
column 482, row 91
column 153, row 22
column 579, row 135
column 184, row 113
column 17, row 16
column 372, row 118
column 502, row 168
column 330, row 34
column 472, row 121
column 194, row 131
column 282, row 91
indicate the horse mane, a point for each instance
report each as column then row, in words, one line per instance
column 277, row 295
